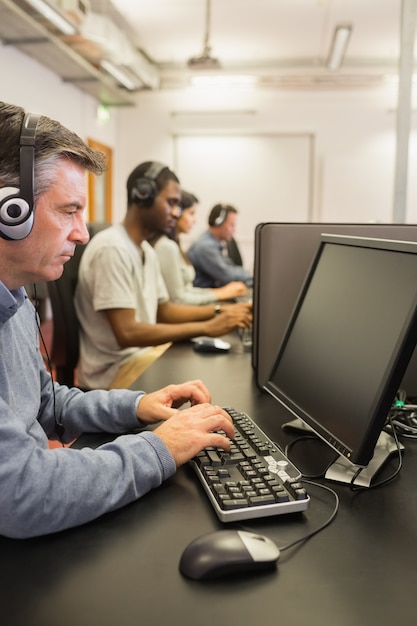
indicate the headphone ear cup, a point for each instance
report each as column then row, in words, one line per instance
column 17, row 204
column 16, row 219
column 144, row 192
column 220, row 218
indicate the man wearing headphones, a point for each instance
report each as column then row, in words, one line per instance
column 121, row 299
column 44, row 490
column 209, row 254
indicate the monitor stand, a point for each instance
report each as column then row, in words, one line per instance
column 342, row 471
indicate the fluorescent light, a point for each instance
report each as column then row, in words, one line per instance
column 338, row 47
column 221, row 80
column 52, row 15
column 120, row 74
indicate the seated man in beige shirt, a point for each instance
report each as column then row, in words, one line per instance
column 121, row 299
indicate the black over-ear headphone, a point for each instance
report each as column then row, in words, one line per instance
column 16, row 205
column 145, row 189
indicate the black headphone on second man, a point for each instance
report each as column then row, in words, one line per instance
column 17, row 204
column 144, row 189
column 218, row 215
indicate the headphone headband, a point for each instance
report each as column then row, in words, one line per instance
column 17, row 204
column 27, row 157
column 154, row 170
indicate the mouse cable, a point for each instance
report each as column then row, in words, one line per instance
column 59, row 428
column 316, row 530
column 322, row 526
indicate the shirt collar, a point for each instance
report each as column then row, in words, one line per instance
column 10, row 301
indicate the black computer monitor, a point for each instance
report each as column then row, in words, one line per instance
column 348, row 344
column 283, row 254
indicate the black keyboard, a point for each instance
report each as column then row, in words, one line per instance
column 255, row 479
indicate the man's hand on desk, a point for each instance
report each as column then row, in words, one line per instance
column 186, row 432
column 231, row 316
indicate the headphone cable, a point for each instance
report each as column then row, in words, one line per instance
column 59, row 428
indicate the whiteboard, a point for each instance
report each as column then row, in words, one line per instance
column 267, row 177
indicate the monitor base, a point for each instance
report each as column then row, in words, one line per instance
column 342, row 471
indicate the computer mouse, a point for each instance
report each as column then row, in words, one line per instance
column 228, row 552
column 210, row 344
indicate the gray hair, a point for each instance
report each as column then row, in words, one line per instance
column 53, row 143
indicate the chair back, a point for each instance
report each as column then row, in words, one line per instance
column 65, row 334
column 234, row 252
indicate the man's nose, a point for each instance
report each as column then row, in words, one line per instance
column 176, row 211
column 80, row 232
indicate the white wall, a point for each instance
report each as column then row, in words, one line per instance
column 26, row 83
column 239, row 169
column 352, row 131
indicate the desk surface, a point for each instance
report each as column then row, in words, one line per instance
column 122, row 569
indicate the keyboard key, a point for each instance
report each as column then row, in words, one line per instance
column 266, row 499
column 235, row 504
column 214, row 458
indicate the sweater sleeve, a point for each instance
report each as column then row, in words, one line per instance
column 45, row 490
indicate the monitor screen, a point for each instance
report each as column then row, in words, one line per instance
column 284, row 252
column 349, row 341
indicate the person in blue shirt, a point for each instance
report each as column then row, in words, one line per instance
column 45, row 489
column 209, row 254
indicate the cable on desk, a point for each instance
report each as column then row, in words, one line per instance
column 404, row 421
column 316, row 530
column 303, row 438
column 322, row 526
column 403, row 416
column 407, row 428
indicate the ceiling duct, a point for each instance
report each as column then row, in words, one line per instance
column 76, row 10
column 105, row 45
column 205, row 61
column 52, row 16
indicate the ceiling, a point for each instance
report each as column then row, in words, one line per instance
column 280, row 43
column 284, row 42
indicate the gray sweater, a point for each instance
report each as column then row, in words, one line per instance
column 45, row 490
